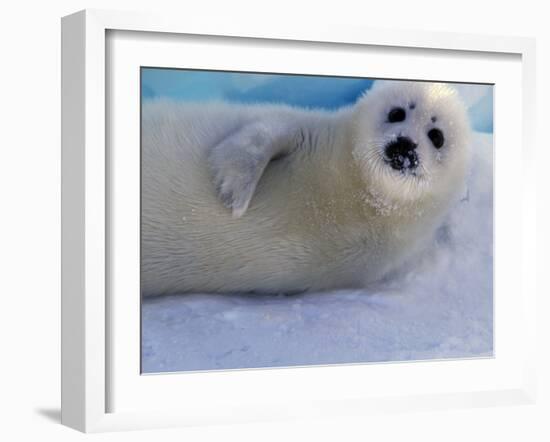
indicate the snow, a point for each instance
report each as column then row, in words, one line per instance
column 439, row 306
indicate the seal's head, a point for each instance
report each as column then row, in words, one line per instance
column 411, row 140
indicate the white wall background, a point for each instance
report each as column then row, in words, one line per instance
column 30, row 217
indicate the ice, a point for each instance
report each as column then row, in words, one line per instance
column 305, row 91
column 438, row 306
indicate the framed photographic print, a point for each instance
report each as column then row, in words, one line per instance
column 271, row 223
column 312, row 264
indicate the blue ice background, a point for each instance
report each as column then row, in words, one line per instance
column 439, row 306
column 299, row 90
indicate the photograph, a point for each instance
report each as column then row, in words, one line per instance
column 293, row 220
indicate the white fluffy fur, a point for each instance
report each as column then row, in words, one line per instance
column 218, row 216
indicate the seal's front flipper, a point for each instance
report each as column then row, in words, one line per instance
column 238, row 162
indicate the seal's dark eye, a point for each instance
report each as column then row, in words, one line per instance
column 396, row 115
column 437, row 138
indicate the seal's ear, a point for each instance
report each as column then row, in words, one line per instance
column 238, row 162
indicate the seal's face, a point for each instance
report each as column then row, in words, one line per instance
column 411, row 141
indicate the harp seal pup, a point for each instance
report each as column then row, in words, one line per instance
column 277, row 199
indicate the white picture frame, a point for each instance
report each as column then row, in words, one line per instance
column 87, row 316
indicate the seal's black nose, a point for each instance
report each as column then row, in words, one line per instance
column 401, row 154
